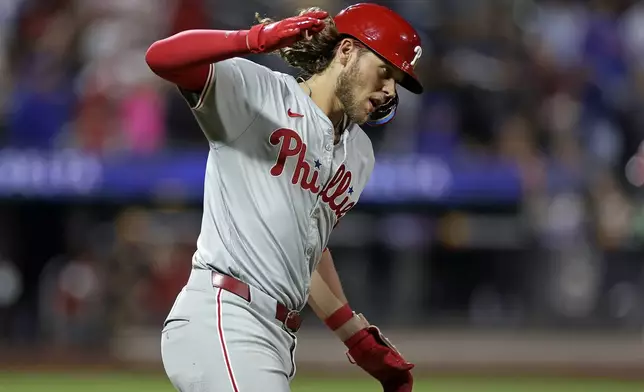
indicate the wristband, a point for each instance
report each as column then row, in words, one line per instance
column 339, row 317
column 252, row 39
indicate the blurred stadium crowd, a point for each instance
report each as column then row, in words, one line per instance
column 550, row 86
column 530, row 80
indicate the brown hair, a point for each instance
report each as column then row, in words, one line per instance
column 310, row 56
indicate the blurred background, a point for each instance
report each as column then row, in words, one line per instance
column 502, row 229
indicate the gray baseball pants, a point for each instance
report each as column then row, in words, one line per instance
column 216, row 341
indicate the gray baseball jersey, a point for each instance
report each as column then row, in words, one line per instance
column 275, row 182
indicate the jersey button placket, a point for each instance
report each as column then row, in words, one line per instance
column 311, row 240
column 313, row 229
column 328, row 147
column 326, row 157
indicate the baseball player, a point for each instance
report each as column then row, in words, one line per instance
column 287, row 160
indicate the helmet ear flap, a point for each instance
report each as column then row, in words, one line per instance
column 384, row 114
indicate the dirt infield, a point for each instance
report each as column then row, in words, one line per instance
column 448, row 353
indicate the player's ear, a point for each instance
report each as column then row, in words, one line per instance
column 344, row 51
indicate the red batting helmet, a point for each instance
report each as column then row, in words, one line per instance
column 387, row 34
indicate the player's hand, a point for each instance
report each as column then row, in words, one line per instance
column 286, row 32
column 370, row 350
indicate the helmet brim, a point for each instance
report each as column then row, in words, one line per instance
column 411, row 83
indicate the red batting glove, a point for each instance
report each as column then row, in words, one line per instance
column 369, row 349
column 278, row 35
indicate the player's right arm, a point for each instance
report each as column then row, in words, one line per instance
column 184, row 58
column 203, row 64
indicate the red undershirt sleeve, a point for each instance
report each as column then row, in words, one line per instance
column 184, row 58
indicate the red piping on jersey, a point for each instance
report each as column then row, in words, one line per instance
column 184, row 58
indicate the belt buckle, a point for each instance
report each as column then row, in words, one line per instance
column 291, row 314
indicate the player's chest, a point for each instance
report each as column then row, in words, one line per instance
column 311, row 165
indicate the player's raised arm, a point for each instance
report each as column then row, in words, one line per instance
column 184, row 58
column 226, row 92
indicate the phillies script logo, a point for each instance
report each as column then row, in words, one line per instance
column 291, row 145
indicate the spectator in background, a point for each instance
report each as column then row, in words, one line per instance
column 11, row 290
column 607, row 95
column 71, row 311
column 42, row 65
column 182, row 128
column 480, row 64
column 121, row 106
column 141, row 113
column 632, row 31
column 8, row 13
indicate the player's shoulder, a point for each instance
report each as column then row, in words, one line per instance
column 249, row 67
column 361, row 138
column 363, row 145
column 246, row 65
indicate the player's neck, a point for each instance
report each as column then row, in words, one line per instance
column 322, row 93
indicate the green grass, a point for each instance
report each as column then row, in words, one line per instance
column 52, row 382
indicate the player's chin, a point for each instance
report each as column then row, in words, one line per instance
column 361, row 120
column 365, row 115
column 358, row 117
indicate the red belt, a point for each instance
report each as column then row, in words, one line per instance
column 290, row 318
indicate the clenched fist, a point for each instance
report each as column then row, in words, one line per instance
column 278, row 35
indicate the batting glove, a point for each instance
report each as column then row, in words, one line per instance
column 373, row 352
column 278, row 35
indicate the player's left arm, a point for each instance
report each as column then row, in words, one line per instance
column 328, row 301
column 367, row 347
column 326, row 296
